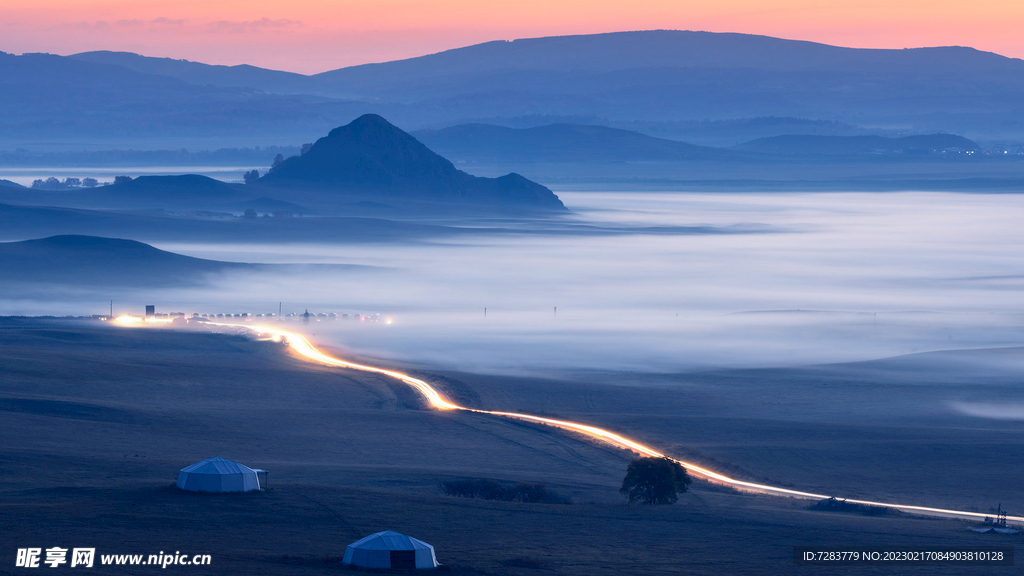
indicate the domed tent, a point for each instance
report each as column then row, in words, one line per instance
column 218, row 475
column 390, row 549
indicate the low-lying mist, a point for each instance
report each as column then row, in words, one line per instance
column 829, row 277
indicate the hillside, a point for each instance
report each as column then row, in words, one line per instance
column 671, row 75
column 242, row 76
column 676, row 49
column 558, row 143
column 172, row 188
column 92, row 260
column 48, row 98
column 372, row 159
column 858, row 145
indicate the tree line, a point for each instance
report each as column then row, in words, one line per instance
column 53, row 183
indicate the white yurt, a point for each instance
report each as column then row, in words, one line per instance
column 390, row 549
column 218, row 475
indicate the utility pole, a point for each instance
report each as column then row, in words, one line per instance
column 111, row 309
column 485, row 312
column 556, row 311
column 279, row 309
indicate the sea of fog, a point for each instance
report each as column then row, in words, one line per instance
column 792, row 278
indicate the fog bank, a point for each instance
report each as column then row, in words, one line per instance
column 818, row 278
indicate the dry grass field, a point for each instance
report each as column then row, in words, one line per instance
column 96, row 422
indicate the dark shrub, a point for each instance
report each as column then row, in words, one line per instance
column 487, row 489
column 654, row 481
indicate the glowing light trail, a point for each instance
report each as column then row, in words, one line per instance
column 300, row 345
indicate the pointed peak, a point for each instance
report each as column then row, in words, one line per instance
column 366, row 121
column 370, row 119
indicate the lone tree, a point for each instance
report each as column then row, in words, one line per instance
column 654, row 481
column 90, row 182
column 122, row 179
column 251, row 176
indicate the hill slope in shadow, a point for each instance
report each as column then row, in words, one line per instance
column 92, row 260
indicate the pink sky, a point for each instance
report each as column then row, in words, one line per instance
column 311, row 36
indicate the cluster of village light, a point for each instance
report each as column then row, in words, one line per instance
column 195, row 318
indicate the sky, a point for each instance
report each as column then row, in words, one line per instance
column 309, row 36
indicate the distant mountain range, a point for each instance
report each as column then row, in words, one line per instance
column 558, row 143
column 806, row 145
column 652, row 80
column 493, row 145
column 54, row 98
column 569, row 143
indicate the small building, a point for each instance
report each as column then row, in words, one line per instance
column 390, row 550
column 150, row 310
column 219, row 475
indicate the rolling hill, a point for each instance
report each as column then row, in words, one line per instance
column 49, row 98
column 662, row 49
column 188, row 189
column 92, row 260
column 558, row 143
column 671, row 75
column 242, row 76
column 810, row 145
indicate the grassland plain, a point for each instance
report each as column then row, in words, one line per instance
column 97, row 422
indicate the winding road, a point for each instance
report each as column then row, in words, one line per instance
column 303, row 348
